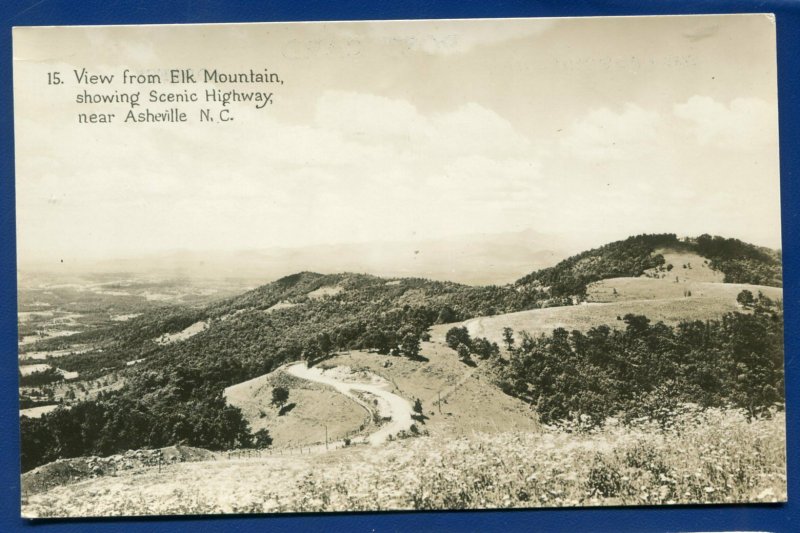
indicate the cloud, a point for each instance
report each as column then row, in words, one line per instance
column 448, row 38
column 743, row 123
column 360, row 160
column 603, row 134
column 376, row 120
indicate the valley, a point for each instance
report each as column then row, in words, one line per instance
column 375, row 387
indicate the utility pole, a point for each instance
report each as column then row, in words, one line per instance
column 326, row 437
column 440, row 402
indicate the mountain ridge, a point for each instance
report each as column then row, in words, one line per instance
column 175, row 389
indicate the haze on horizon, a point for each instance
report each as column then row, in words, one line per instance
column 582, row 130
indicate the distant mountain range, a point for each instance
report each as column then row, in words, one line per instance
column 483, row 259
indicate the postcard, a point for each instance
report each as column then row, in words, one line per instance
column 399, row 265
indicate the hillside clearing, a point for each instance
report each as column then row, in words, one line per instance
column 631, row 289
column 708, row 301
column 36, row 412
column 313, row 407
column 469, row 400
column 325, row 291
column 191, row 331
column 395, row 410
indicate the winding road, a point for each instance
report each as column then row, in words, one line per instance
column 399, row 409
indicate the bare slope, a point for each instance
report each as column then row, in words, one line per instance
column 469, row 400
column 311, row 406
column 513, row 469
column 392, row 412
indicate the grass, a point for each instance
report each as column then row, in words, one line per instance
column 707, row 301
column 470, row 401
column 315, row 406
column 713, row 456
column 698, row 294
column 627, row 289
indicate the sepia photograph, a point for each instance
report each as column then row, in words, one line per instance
column 398, row 265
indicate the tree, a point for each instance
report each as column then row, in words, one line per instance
column 324, row 342
column 456, row 336
column 280, row 395
column 463, row 352
column 312, row 351
column 410, row 345
column 446, row 315
column 508, row 338
column 484, row 348
column 636, row 324
column 746, row 299
column 418, row 406
column 262, row 439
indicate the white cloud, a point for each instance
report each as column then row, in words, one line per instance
column 448, row 38
column 743, row 123
column 607, row 135
column 272, row 179
column 376, row 120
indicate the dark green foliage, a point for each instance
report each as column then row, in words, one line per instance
column 739, row 261
column 262, row 439
column 410, row 345
column 115, row 424
column 508, row 338
column 483, row 348
column 630, row 257
column 280, row 395
column 647, row 368
column 418, row 406
column 37, row 379
column 745, row 298
column 457, row 336
column 463, row 352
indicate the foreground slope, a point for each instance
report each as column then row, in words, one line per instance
column 717, row 456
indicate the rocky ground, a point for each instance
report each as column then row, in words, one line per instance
column 76, row 469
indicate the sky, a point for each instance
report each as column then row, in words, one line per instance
column 589, row 130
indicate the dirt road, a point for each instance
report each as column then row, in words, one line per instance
column 394, row 406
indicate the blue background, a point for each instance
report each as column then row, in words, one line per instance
column 90, row 12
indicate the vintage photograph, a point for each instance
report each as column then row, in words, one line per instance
column 398, row 265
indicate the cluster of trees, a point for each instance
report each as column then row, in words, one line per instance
column 630, row 257
column 647, row 368
column 458, row 339
column 739, row 261
column 40, row 378
column 115, row 423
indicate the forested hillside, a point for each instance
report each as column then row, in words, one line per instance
column 649, row 369
column 740, row 262
column 184, row 357
column 174, row 395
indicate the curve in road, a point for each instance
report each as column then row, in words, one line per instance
column 399, row 408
